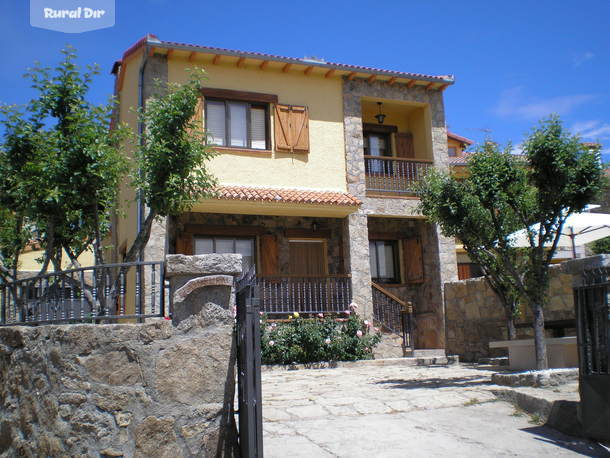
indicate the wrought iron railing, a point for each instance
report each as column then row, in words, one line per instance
column 393, row 314
column 287, row 294
column 395, row 175
column 95, row 294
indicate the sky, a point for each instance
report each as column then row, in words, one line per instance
column 514, row 62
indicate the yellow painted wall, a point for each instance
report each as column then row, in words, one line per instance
column 452, row 143
column 322, row 168
column 28, row 261
column 128, row 99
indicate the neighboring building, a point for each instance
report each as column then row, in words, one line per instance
column 314, row 183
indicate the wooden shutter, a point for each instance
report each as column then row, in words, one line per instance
column 291, row 128
column 184, row 243
column 463, row 271
column 269, row 255
column 404, row 145
column 413, row 260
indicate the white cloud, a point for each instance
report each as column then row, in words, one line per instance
column 514, row 103
column 580, row 59
column 592, row 130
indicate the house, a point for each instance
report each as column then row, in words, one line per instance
column 316, row 167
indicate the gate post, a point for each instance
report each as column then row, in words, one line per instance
column 249, row 371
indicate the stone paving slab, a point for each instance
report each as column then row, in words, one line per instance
column 402, row 411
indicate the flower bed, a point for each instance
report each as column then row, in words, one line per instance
column 321, row 338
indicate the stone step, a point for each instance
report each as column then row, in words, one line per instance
column 429, row 353
column 498, row 361
column 408, row 361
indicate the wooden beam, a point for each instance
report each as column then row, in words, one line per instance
column 391, row 81
column 329, row 73
column 169, row 53
column 151, row 51
column 429, row 86
column 263, row 64
column 308, row 70
column 410, row 84
column 240, row 61
column 372, row 78
column 192, row 56
column 216, row 59
column 286, row 68
column 443, row 87
column 351, row 76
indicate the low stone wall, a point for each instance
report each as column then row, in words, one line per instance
column 475, row 316
column 158, row 389
column 113, row 390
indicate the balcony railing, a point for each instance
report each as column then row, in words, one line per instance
column 393, row 174
column 287, row 294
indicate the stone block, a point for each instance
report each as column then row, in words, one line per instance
column 208, row 264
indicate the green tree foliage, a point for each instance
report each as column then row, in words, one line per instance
column 601, row 246
column 60, row 165
column 476, row 212
column 560, row 177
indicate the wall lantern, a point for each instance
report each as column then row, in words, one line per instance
column 380, row 116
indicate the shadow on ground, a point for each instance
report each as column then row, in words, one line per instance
column 411, row 384
column 575, row 444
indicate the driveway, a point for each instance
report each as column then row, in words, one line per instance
column 394, row 411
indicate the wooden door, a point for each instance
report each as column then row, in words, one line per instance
column 308, row 258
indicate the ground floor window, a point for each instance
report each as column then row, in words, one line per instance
column 383, row 255
column 243, row 246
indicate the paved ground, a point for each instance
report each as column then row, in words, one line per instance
column 400, row 411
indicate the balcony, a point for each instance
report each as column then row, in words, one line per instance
column 394, row 175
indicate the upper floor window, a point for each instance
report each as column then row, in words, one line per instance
column 237, row 124
column 377, row 144
column 452, row 151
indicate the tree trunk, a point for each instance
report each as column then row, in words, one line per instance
column 539, row 337
column 510, row 324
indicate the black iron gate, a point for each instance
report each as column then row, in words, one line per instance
column 249, row 368
column 593, row 323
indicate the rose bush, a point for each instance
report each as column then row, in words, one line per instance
column 323, row 338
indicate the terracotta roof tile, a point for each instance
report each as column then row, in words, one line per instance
column 459, row 138
column 284, row 195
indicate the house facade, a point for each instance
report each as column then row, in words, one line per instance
column 316, row 166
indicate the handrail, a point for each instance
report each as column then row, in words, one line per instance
column 404, row 304
column 403, row 159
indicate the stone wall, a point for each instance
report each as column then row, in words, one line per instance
column 475, row 317
column 134, row 390
column 277, row 225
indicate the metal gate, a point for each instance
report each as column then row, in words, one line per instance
column 593, row 324
column 249, row 367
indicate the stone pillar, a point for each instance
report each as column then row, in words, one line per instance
column 357, row 243
column 197, row 280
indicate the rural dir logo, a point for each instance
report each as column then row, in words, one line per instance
column 72, row 16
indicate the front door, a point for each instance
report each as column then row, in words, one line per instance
column 308, row 258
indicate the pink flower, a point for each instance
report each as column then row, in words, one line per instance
column 271, row 343
column 376, row 329
column 273, row 325
column 366, row 323
column 359, row 333
column 320, row 315
column 353, row 306
column 260, row 313
column 234, row 310
column 347, row 312
column 167, row 318
column 327, row 341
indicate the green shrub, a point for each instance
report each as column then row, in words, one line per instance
column 324, row 338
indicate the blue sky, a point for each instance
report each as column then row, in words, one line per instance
column 514, row 62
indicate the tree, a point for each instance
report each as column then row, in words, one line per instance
column 559, row 178
column 472, row 210
column 61, row 166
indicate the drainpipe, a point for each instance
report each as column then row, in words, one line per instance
column 140, row 203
